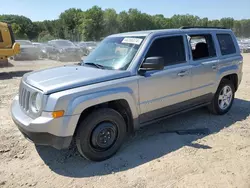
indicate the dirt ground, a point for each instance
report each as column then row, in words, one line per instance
column 150, row 158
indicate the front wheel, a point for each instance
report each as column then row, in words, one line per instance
column 223, row 98
column 100, row 135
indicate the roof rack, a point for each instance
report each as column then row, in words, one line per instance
column 201, row 27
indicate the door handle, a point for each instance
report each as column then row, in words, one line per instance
column 182, row 73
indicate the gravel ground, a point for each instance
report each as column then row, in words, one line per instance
column 150, row 158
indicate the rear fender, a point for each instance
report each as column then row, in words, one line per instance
column 225, row 71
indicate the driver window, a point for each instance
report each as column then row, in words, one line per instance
column 172, row 49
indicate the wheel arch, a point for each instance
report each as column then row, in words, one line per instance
column 231, row 73
column 233, row 78
column 121, row 100
column 120, row 105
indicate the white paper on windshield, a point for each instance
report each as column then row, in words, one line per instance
column 132, row 41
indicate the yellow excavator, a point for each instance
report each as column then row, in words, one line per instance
column 8, row 46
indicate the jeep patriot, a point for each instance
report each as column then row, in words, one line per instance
column 130, row 80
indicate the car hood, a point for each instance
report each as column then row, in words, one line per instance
column 67, row 77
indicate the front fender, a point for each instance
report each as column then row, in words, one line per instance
column 75, row 104
column 80, row 103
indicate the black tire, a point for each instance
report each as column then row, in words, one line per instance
column 214, row 106
column 86, row 137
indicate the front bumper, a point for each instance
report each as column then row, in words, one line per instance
column 45, row 138
column 40, row 130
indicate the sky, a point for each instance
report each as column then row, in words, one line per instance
column 39, row 10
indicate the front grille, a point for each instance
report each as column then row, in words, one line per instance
column 24, row 97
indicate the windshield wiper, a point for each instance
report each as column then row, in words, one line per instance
column 95, row 64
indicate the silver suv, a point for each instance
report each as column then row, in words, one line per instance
column 128, row 81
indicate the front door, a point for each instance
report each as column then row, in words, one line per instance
column 165, row 91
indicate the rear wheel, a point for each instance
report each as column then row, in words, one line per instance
column 100, row 134
column 223, row 98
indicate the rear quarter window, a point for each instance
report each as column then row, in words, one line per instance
column 226, row 44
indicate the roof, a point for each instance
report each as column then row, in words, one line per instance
column 169, row 31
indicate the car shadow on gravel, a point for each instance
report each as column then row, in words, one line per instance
column 10, row 75
column 149, row 143
column 5, row 64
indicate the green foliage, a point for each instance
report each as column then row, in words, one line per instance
column 227, row 22
column 124, row 22
column 111, row 24
column 95, row 23
column 92, row 26
column 69, row 23
column 17, row 30
column 44, row 36
column 25, row 25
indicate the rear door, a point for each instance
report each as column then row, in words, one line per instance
column 204, row 63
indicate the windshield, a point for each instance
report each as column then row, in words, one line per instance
column 115, row 52
column 22, row 42
column 63, row 43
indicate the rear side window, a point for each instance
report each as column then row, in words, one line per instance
column 226, row 44
column 202, row 46
column 170, row 48
column 1, row 37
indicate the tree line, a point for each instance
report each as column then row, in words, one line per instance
column 95, row 23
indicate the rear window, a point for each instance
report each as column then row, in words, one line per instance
column 226, row 44
column 1, row 37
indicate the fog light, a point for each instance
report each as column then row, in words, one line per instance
column 57, row 114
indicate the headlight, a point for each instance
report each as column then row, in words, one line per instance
column 36, row 102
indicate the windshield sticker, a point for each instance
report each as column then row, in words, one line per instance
column 132, row 41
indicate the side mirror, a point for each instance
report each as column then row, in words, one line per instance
column 153, row 63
